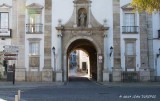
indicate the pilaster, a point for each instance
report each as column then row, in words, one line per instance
column 47, row 70
column 19, row 37
column 144, row 69
column 75, row 14
column 105, row 68
column 116, row 71
column 59, row 65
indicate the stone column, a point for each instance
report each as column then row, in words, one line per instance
column 65, row 67
column 59, row 64
column 116, row 72
column 47, row 72
column 105, row 68
column 18, row 35
column 144, row 69
column 99, row 67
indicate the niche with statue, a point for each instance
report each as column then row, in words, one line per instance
column 82, row 17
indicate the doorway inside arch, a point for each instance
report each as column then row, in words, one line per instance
column 82, row 61
column 79, row 65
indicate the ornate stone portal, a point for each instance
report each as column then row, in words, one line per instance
column 82, row 32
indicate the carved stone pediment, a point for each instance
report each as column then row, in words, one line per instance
column 35, row 6
column 82, row 17
column 4, row 5
column 86, row 26
column 127, row 7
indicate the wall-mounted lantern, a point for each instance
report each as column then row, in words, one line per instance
column 54, row 56
column 111, row 51
column 53, row 49
column 158, row 53
column 158, row 34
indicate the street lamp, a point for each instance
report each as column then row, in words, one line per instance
column 111, row 51
column 158, row 53
column 53, row 49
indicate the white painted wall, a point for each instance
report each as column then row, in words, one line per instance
column 83, row 57
column 41, row 2
column 8, row 2
column 4, row 42
column 156, row 42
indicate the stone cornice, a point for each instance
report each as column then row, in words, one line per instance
column 81, row 1
column 35, row 6
column 83, row 29
column 127, row 7
column 34, row 39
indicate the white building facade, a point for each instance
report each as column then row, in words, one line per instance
column 122, row 45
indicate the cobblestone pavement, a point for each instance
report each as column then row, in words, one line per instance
column 80, row 89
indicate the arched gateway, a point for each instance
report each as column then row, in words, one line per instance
column 85, row 33
column 88, row 45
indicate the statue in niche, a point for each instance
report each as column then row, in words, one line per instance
column 82, row 18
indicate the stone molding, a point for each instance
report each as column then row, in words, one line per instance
column 34, row 6
column 127, row 7
column 4, row 5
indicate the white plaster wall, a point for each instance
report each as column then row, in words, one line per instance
column 124, row 2
column 156, row 42
column 41, row 2
column 123, row 36
column 83, row 57
column 8, row 2
column 41, row 36
column 63, row 9
column 4, row 42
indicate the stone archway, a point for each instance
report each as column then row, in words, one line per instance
column 88, row 36
column 87, row 44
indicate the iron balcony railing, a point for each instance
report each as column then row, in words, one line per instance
column 34, row 28
column 130, row 29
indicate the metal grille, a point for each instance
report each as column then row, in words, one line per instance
column 130, row 76
column 34, row 28
column 130, row 29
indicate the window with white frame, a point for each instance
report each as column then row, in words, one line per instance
column 35, row 18
column 34, row 48
column 34, row 24
column 129, row 19
column 34, row 52
column 129, row 23
column 130, row 48
column 4, row 20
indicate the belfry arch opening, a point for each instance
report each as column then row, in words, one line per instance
column 82, row 58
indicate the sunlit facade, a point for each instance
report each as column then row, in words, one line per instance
column 121, row 45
